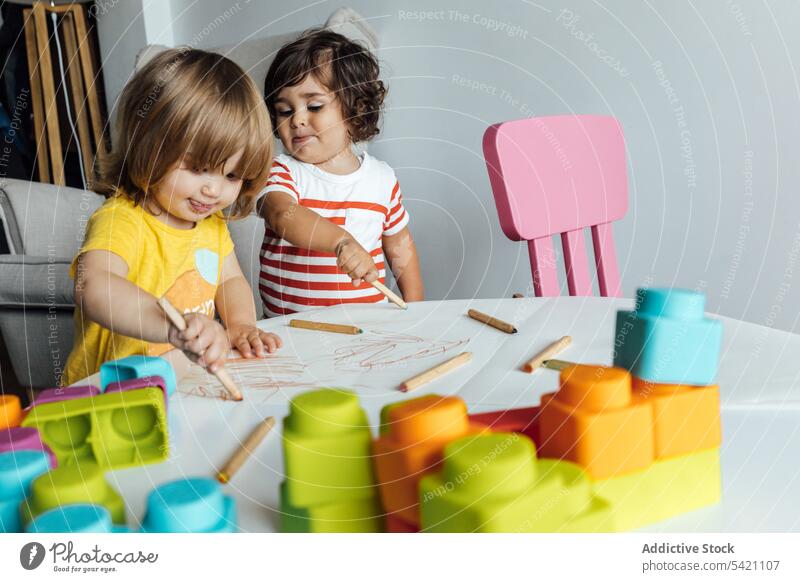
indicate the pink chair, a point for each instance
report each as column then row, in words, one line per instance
column 559, row 175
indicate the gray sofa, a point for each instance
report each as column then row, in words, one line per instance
column 44, row 226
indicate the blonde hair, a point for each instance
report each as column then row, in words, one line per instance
column 188, row 100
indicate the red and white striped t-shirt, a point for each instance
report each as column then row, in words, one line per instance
column 367, row 203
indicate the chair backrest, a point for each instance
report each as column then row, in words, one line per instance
column 559, row 175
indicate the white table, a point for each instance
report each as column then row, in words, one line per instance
column 759, row 378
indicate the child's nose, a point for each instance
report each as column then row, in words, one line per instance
column 300, row 118
column 211, row 186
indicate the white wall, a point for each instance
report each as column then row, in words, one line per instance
column 710, row 130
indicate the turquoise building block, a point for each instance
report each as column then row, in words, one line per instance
column 76, row 518
column 137, row 367
column 18, row 469
column 194, row 505
column 667, row 339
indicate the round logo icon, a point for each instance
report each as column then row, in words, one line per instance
column 31, row 555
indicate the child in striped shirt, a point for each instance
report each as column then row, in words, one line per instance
column 334, row 218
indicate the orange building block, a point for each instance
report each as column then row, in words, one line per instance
column 10, row 411
column 594, row 420
column 685, row 418
column 520, row 420
column 413, row 435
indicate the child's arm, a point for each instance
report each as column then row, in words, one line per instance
column 106, row 297
column 234, row 303
column 401, row 254
column 306, row 229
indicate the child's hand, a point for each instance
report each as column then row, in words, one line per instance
column 355, row 261
column 204, row 341
column 251, row 341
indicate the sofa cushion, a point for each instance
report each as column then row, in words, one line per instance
column 43, row 219
column 32, row 282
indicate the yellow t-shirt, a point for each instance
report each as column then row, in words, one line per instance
column 184, row 265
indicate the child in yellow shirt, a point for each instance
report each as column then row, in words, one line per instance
column 189, row 143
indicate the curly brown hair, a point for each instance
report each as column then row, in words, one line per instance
column 187, row 100
column 343, row 66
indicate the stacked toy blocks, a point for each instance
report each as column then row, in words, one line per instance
column 413, row 435
column 496, row 483
column 329, row 486
column 648, row 441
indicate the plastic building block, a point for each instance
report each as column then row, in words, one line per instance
column 17, row 470
column 23, row 438
column 667, row 339
column 116, row 430
column 415, row 434
column 84, row 483
column 10, row 411
column 138, row 367
column 195, row 505
column 667, row 488
column 326, row 444
column 522, row 420
column 495, row 483
column 594, row 421
column 137, row 383
column 357, row 516
column 685, row 418
column 76, row 518
column 66, row 393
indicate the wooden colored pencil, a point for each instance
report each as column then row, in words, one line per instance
column 390, row 295
column 557, row 365
column 548, row 353
column 435, row 372
column 246, row 449
column 493, row 321
column 178, row 321
column 322, row 326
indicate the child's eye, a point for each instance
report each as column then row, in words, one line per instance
column 314, row 108
column 233, row 177
column 284, row 112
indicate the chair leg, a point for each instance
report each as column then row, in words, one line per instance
column 543, row 267
column 606, row 260
column 577, row 265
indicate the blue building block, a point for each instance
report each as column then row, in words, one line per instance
column 667, row 339
column 195, row 505
column 17, row 470
column 75, row 518
column 137, row 367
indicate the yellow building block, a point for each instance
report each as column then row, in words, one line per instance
column 668, row 488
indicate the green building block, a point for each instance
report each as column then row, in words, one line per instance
column 66, row 485
column 495, row 483
column 667, row 488
column 116, row 430
column 326, row 445
column 358, row 516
